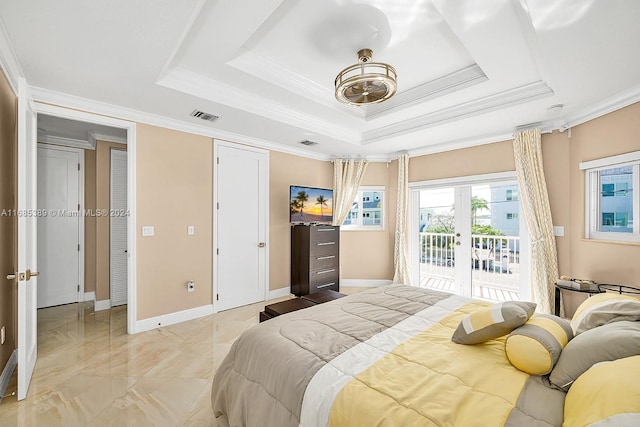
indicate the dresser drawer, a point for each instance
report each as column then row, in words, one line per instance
column 321, row 249
column 320, row 234
column 333, row 285
column 323, row 261
column 326, row 275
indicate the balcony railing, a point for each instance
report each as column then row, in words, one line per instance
column 495, row 261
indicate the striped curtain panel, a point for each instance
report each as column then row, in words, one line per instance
column 347, row 176
column 527, row 149
column 400, row 253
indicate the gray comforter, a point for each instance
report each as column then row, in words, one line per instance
column 263, row 379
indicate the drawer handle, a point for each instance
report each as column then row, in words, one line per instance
column 325, row 229
column 324, row 286
column 326, row 257
column 326, row 271
column 326, row 243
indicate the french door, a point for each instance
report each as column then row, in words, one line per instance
column 469, row 238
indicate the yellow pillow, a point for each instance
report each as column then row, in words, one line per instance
column 607, row 394
column 605, row 308
column 535, row 347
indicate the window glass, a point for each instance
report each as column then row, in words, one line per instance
column 367, row 211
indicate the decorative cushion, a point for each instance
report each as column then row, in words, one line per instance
column 608, row 394
column 535, row 347
column 604, row 308
column 492, row 322
column 608, row 342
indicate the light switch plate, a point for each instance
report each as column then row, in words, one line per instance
column 191, row 230
column 558, row 231
column 148, row 230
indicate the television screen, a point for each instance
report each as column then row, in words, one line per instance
column 310, row 205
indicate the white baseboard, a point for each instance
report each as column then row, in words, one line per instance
column 173, row 318
column 7, row 371
column 279, row 293
column 89, row 296
column 360, row 283
column 104, row 304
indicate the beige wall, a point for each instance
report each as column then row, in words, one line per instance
column 8, row 171
column 174, row 190
column 369, row 254
column 286, row 170
column 483, row 159
column 609, row 135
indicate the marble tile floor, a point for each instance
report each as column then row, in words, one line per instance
column 91, row 373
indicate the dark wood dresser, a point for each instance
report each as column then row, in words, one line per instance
column 315, row 258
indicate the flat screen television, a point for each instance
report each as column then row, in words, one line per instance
column 308, row 205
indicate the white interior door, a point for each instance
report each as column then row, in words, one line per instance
column 27, row 241
column 118, row 228
column 241, row 190
column 59, row 229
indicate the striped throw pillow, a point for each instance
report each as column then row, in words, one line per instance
column 492, row 322
column 535, row 347
column 608, row 394
column 605, row 308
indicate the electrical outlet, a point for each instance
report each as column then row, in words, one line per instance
column 191, row 230
column 191, row 286
column 2, row 336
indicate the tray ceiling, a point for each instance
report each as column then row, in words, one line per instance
column 468, row 72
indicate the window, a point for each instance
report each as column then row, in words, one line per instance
column 512, row 195
column 367, row 211
column 513, row 215
column 612, row 206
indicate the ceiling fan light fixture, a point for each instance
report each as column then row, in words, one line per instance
column 366, row 82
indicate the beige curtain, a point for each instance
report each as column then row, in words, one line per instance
column 400, row 258
column 347, row 176
column 527, row 149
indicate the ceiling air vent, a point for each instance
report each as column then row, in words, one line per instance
column 204, row 116
column 307, row 142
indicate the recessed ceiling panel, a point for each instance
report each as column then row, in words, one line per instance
column 310, row 41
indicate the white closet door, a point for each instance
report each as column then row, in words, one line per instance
column 118, row 228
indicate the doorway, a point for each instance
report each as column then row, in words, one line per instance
column 240, row 224
column 470, row 239
column 75, row 242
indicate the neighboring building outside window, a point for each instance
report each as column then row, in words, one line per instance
column 512, row 215
column 612, row 205
column 367, row 211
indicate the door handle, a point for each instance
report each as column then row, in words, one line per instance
column 29, row 274
column 457, row 243
column 262, row 244
column 11, row 276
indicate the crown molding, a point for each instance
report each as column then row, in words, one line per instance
column 273, row 72
column 96, row 136
column 606, row 106
column 8, row 59
column 202, row 87
column 466, row 77
column 46, row 96
column 66, row 142
column 507, row 98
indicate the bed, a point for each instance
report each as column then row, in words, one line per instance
column 383, row 357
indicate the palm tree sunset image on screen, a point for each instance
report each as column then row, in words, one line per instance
column 310, row 205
